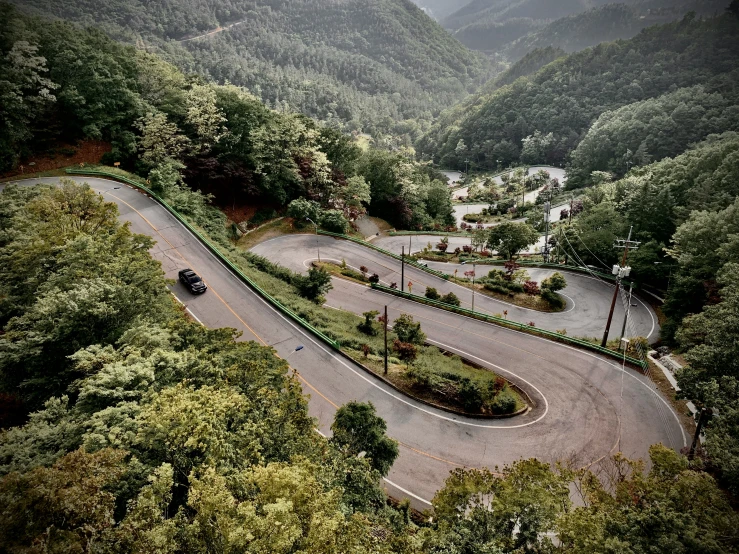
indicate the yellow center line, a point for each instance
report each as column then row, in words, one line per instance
column 189, row 263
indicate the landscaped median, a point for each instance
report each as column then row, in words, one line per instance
column 513, row 325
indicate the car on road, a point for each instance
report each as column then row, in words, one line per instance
column 192, row 281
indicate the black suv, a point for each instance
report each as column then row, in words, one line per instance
column 192, row 281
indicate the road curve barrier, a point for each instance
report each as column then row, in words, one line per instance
column 408, row 260
column 512, row 325
column 214, row 249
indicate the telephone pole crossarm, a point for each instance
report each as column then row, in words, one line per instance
column 620, row 271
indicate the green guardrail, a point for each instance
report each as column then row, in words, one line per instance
column 233, row 267
column 408, row 260
column 573, row 268
column 510, row 324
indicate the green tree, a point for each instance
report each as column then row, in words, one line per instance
column 357, row 429
column 408, row 330
column 513, row 511
column 555, row 282
column 301, row 209
column 315, row 285
column 160, row 139
column 673, row 508
column 508, row 239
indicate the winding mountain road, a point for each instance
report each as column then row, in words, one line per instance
column 584, row 403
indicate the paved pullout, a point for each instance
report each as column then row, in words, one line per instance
column 583, row 401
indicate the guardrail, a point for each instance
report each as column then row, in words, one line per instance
column 216, row 251
column 510, row 324
column 408, row 260
column 573, row 268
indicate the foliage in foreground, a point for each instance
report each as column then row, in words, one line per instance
column 149, row 432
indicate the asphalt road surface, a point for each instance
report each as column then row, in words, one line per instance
column 584, row 403
column 588, row 298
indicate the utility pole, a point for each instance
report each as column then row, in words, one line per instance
column 628, row 311
column 466, row 167
column 385, row 325
column 547, row 217
column 402, row 270
column 705, row 412
column 620, row 271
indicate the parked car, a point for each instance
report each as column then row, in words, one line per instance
column 192, row 281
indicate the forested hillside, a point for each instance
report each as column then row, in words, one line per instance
column 515, row 28
column 439, row 9
column 555, row 108
column 62, row 83
column 376, row 66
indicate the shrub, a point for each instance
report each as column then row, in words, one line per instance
column 554, row 282
column 561, row 332
column 262, row 216
column 368, row 325
column 486, row 254
column 432, row 293
column 514, row 287
column 469, row 394
column 442, row 246
column 364, row 270
column 374, row 278
column 457, row 251
column 405, row 351
column 496, row 288
column 467, row 249
column 638, row 345
column 314, row 285
column 393, row 285
column 554, row 299
column 366, row 350
column 504, row 403
column 532, row 324
column 531, row 288
column 300, row 209
column 450, row 299
column 334, row 221
column 421, row 375
column 408, row 330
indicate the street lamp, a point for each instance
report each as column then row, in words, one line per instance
column 669, row 275
column 318, row 246
column 473, row 283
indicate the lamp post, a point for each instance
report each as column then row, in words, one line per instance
column 474, row 267
column 669, row 275
column 318, row 246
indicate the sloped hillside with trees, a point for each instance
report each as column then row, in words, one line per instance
column 555, row 108
column 380, row 66
column 62, row 83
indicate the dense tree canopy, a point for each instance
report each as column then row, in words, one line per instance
column 567, row 96
column 379, row 66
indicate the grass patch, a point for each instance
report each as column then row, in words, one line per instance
column 269, row 231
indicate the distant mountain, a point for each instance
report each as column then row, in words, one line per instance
column 381, row 66
column 439, row 9
column 542, row 118
column 489, row 25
